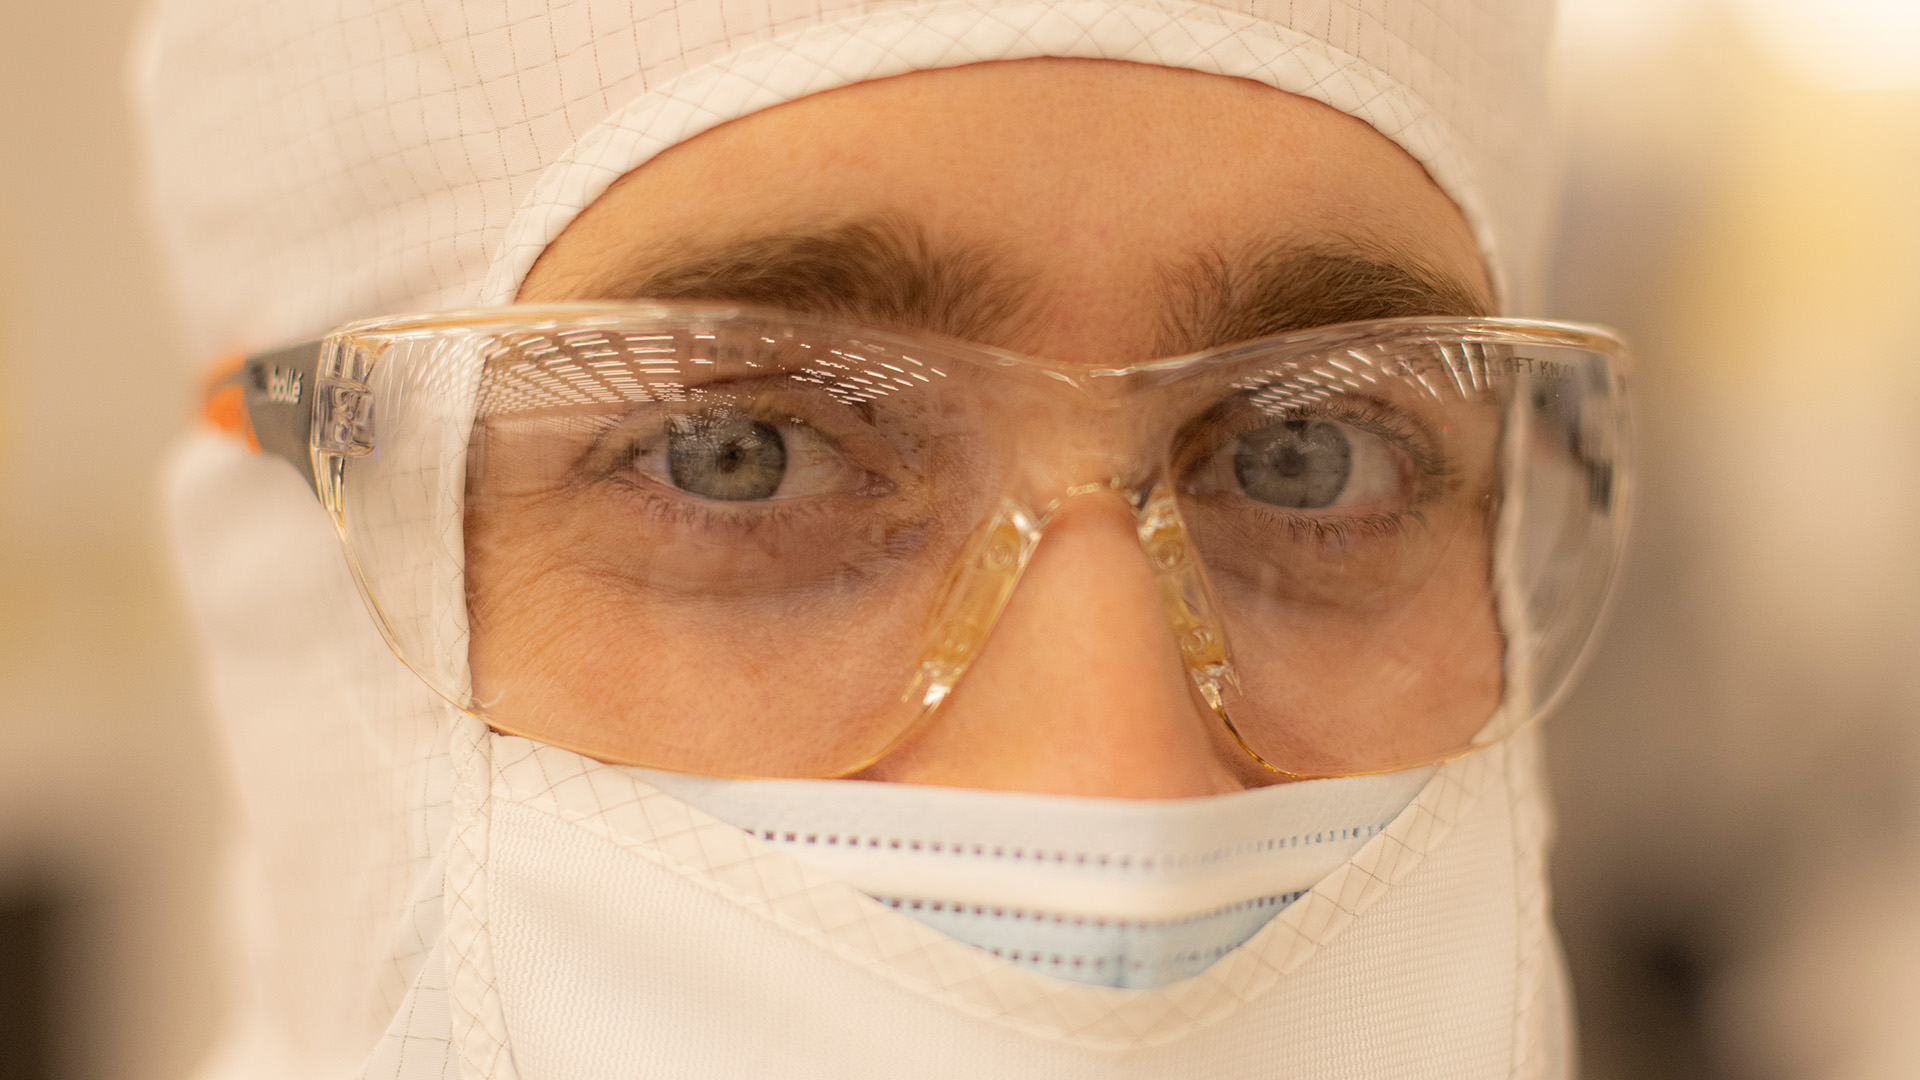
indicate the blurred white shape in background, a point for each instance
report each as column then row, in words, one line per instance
column 1841, row 44
column 1830, row 44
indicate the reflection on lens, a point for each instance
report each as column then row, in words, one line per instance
column 1303, row 464
column 725, row 456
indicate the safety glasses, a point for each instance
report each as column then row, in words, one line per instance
column 741, row 542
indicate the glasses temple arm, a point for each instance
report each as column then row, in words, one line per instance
column 276, row 403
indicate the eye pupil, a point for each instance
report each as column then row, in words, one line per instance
column 1300, row 464
column 726, row 456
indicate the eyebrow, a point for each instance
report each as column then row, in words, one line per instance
column 1215, row 299
column 886, row 271
column 883, row 271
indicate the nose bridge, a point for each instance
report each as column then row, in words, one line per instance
column 1167, row 548
column 1070, row 442
column 1111, row 439
column 1084, row 684
column 1089, row 494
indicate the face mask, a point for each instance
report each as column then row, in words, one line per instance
column 1110, row 892
column 599, row 926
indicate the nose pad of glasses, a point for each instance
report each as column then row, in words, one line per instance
column 1081, row 687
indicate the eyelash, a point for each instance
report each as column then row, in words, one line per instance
column 742, row 519
column 1342, row 532
column 1401, row 431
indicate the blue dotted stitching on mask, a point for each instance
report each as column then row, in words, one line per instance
column 1121, row 861
column 1098, row 922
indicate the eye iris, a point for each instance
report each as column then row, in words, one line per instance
column 728, row 457
column 1302, row 464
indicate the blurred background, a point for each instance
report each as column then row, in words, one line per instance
column 1738, row 875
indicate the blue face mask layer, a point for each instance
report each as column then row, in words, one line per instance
column 1108, row 892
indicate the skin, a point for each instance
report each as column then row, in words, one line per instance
column 1091, row 185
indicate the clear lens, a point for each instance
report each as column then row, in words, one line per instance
column 749, row 544
column 1364, row 544
column 723, row 545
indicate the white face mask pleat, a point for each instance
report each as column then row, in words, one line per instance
column 1111, row 892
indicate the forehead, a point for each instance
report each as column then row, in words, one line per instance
column 1091, row 182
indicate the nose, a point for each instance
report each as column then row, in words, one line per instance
column 1080, row 688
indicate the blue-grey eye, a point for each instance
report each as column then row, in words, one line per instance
column 1300, row 464
column 725, row 456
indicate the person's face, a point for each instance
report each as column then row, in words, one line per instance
column 1095, row 213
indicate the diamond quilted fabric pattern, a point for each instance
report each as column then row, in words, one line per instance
column 318, row 162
